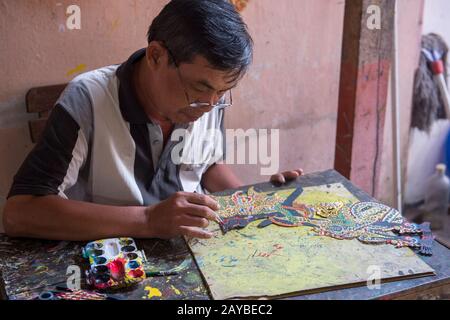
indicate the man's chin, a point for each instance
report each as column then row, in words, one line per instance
column 186, row 119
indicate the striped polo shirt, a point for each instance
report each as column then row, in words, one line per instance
column 100, row 146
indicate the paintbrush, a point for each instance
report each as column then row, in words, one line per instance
column 218, row 218
column 160, row 273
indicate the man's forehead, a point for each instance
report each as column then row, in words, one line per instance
column 200, row 70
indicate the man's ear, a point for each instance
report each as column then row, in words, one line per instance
column 156, row 55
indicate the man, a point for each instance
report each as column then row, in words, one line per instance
column 105, row 167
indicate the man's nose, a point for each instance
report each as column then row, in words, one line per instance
column 212, row 98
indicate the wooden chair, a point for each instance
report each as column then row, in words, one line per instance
column 41, row 100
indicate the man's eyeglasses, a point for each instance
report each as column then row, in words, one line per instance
column 224, row 102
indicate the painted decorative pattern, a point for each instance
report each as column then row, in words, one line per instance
column 313, row 241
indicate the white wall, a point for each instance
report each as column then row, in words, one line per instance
column 437, row 19
column 426, row 149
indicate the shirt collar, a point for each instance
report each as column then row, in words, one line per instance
column 131, row 109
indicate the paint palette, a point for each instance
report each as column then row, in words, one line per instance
column 114, row 263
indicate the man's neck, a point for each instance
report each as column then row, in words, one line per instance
column 141, row 80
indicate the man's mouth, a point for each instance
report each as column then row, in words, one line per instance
column 192, row 117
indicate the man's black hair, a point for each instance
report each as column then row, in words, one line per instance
column 210, row 28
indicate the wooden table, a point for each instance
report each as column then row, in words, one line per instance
column 30, row 266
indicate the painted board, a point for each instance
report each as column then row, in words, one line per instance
column 275, row 261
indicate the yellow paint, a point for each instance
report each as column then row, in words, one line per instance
column 41, row 269
column 78, row 69
column 152, row 292
column 175, row 290
column 115, row 24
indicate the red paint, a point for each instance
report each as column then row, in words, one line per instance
column 137, row 273
column 370, row 115
column 117, row 268
column 360, row 128
column 277, row 247
column 437, row 67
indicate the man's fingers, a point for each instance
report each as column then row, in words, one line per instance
column 193, row 221
column 290, row 175
column 201, row 199
column 195, row 232
column 287, row 175
column 277, row 178
column 201, row 211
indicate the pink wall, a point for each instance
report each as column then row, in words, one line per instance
column 36, row 51
column 294, row 82
column 292, row 86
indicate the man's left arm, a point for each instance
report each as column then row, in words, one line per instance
column 220, row 177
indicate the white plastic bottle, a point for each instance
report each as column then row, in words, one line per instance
column 437, row 198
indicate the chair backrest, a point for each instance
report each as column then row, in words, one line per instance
column 41, row 100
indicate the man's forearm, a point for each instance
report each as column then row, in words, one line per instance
column 220, row 177
column 52, row 217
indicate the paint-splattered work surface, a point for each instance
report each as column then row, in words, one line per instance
column 30, row 267
column 277, row 261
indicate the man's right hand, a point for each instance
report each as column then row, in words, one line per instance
column 184, row 214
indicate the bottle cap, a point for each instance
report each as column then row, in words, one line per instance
column 441, row 168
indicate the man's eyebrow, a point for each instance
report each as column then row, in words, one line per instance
column 209, row 86
column 206, row 84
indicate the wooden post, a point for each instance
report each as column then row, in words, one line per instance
column 365, row 65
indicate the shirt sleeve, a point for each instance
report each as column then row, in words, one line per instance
column 53, row 165
column 218, row 149
column 223, row 146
